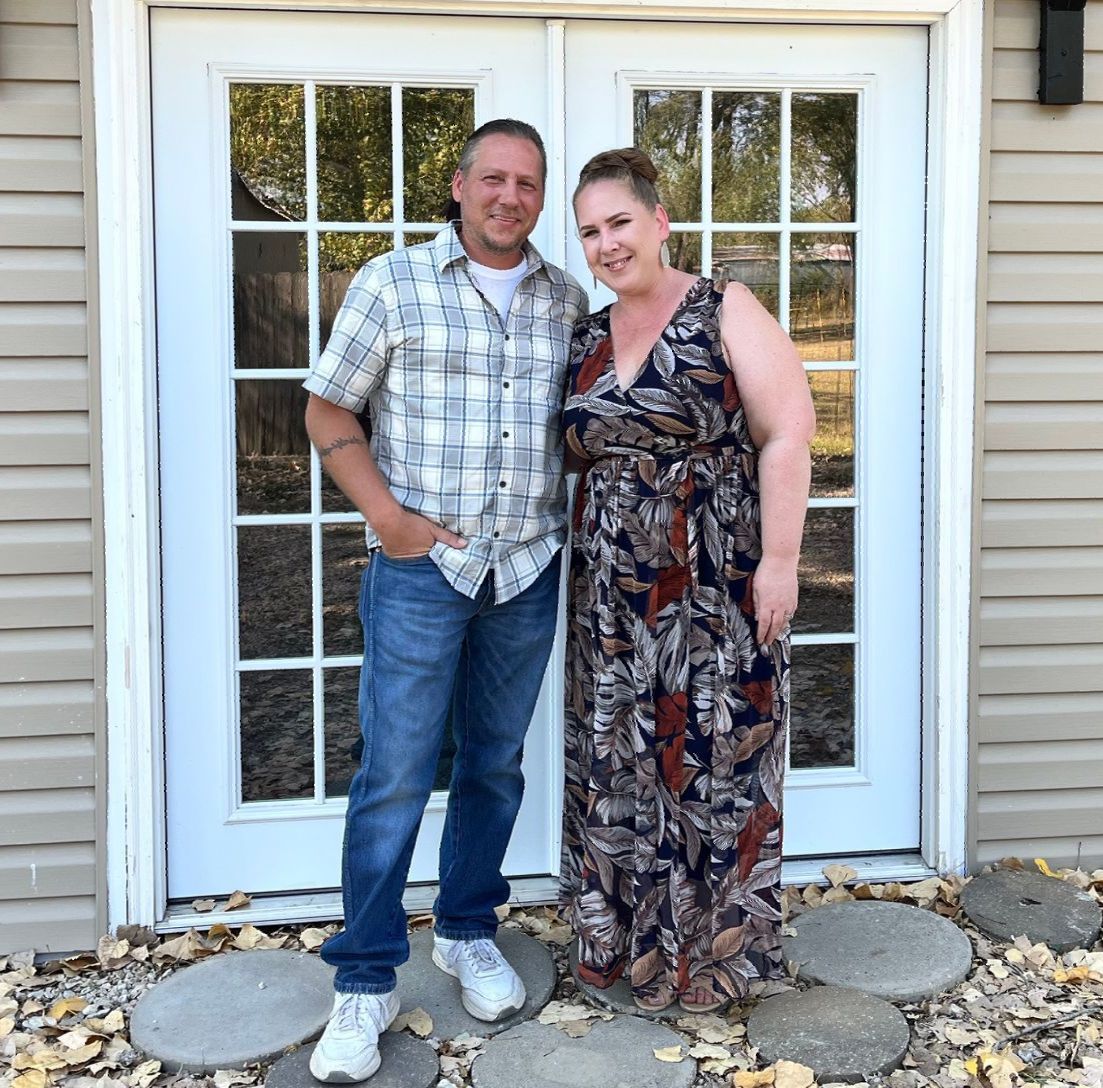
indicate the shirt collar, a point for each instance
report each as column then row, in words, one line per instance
column 447, row 249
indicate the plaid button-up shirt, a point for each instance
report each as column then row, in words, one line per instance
column 465, row 405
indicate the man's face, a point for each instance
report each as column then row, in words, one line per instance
column 500, row 197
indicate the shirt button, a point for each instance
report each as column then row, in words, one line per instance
column 505, row 434
column 496, row 535
column 501, row 483
column 505, row 385
column 507, row 336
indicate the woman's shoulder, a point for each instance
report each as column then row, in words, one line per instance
column 592, row 325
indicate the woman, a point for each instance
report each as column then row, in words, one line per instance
column 689, row 411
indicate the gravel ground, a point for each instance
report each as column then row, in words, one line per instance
column 1025, row 1016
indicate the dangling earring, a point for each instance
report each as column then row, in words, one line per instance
column 664, row 255
column 594, row 274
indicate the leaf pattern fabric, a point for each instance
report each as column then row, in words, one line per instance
column 675, row 717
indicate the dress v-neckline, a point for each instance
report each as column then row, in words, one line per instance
column 625, row 389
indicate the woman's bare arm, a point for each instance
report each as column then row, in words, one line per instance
column 774, row 390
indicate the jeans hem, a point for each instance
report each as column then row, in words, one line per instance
column 377, row 988
column 450, row 934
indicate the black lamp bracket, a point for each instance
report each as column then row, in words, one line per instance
column 1061, row 52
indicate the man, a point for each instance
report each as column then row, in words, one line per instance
column 460, row 346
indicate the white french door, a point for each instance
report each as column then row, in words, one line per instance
column 792, row 159
column 291, row 147
column 288, row 149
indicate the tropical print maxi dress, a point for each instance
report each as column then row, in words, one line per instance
column 675, row 716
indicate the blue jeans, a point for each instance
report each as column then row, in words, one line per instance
column 428, row 648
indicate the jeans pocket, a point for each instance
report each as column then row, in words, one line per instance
column 404, row 560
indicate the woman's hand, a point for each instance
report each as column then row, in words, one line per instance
column 775, row 597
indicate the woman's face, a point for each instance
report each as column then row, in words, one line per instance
column 621, row 237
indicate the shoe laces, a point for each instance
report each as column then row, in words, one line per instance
column 482, row 955
column 354, row 1014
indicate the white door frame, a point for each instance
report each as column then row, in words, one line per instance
column 135, row 835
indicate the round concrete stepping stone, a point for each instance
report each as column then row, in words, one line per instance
column 421, row 984
column 842, row 1034
column 1006, row 903
column 233, row 1009
column 618, row 997
column 617, row 1053
column 890, row 950
column 407, row 1063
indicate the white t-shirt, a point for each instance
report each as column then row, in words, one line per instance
column 498, row 284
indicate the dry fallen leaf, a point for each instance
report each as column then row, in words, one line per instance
column 1043, row 868
column 313, row 938
column 250, row 937
column 753, row 1078
column 183, row 948
column 417, row 1020
column 114, row 1021
column 145, row 1074
column 67, row 1005
column 562, row 1012
column 669, row 1053
column 202, row 906
column 34, row 1078
column 228, row 1078
column 7, row 1026
column 792, row 1075
column 237, row 900
column 838, row 874
column 502, row 912
column 40, row 1059
column 111, row 952
column 997, row 1068
column 708, row 1050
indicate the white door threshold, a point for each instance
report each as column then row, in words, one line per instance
column 294, row 909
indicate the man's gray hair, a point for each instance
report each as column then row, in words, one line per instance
column 503, row 126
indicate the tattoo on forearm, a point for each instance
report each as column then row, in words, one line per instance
column 340, row 444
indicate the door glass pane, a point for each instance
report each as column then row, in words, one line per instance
column 277, row 735
column 436, row 122
column 746, row 144
column 344, row 747
column 821, row 302
column 685, row 251
column 273, row 600
column 344, row 557
column 833, row 444
column 822, row 710
column 668, row 128
column 273, row 451
column 750, row 259
column 354, row 154
column 340, row 256
column 827, row 573
column 271, row 315
column 825, row 157
column 267, row 151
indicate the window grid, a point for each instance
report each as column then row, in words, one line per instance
column 311, row 227
column 785, row 228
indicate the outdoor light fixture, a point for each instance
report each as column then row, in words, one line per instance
column 1061, row 52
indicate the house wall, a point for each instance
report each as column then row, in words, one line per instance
column 50, row 570
column 1038, row 624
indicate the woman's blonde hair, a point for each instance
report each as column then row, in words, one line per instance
column 626, row 164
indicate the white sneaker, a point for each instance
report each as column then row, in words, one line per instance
column 349, row 1048
column 489, row 987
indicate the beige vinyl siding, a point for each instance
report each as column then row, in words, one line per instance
column 50, row 598
column 1038, row 624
